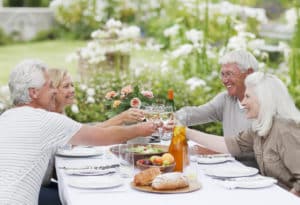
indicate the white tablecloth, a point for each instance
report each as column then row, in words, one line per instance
column 210, row 193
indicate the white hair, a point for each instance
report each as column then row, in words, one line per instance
column 27, row 74
column 274, row 100
column 242, row 58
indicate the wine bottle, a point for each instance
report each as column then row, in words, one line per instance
column 170, row 99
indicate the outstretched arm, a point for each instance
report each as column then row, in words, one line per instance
column 96, row 135
column 131, row 115
column 213, row 142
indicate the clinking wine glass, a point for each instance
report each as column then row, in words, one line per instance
column 166, row 116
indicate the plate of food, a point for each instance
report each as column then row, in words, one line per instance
column 95, row 182
column 141, row 151
column 151, row 180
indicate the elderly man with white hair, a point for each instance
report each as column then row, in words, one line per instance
column 30, row 134
column 226, row 106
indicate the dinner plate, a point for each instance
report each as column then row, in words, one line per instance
column 254, row 182
column 214, row 159
column 103, row 182
column 78, row 152
column 194, row 186
column 231, row 171
column 89, row 172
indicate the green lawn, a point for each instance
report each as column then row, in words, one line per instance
column 52, row 52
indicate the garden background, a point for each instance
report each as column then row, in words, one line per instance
column 155, row 45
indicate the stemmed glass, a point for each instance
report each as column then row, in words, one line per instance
column 166, row 115
column 152, row 114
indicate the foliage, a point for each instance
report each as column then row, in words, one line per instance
column 26, row 3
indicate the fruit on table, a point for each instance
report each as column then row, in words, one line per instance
column 167, row 158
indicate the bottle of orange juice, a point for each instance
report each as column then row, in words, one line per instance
column 179, row 147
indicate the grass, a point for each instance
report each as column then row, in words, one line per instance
column 54, row 53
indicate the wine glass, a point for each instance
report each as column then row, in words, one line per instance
column 165, row 117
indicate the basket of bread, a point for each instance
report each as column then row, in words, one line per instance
column 153, row 180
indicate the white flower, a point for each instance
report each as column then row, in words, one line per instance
column 90, row 99
column 112, row 23
column 99, row 34
column 74, row 108
column 183, row 50
column 172, row 31
column 90, row 92
column 82, row 87
column 194, row 35
column 195, row 82
column 131, row 32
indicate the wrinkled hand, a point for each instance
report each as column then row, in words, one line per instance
column 146, row 128
column 295, row 192
column 169, row 127
column 132, row 115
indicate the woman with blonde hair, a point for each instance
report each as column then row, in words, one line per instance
column 274, row 135
column 66, row 93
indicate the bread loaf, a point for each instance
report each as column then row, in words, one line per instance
column 146, row 176
column 170, row 181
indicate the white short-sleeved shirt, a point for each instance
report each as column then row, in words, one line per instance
column 28, row 136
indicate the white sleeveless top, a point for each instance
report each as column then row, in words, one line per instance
column 28, row 136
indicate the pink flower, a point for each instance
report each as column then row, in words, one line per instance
column 126, row 90
column 135, row 103
column 147, row 94
column 111, row 95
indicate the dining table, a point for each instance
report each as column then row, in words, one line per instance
column 210, row 192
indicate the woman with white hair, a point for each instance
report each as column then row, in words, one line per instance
column 226, row 106
column 274, row 135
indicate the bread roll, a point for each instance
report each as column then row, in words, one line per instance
column 146, row 176
column 170, row 181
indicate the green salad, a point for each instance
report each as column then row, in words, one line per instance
column 148, row 149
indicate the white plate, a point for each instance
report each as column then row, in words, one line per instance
column 213, row 160
column 103, row 182
column 79, row 152
column 231, row 171
column 89, row 172
column 248, row 182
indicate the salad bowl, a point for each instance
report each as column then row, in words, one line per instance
column 140, row 151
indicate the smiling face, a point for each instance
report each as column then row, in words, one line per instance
column 251, row 104
column 43, row 97
column 65, row 92
column 233, row 79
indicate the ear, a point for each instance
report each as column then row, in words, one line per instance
column 33, row 93
column 250, row 70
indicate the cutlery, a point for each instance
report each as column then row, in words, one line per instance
column 91, row 167
column 215, row 155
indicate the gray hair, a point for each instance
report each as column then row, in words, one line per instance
column 27, row 74
column 274, row 100
column 242, row 58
